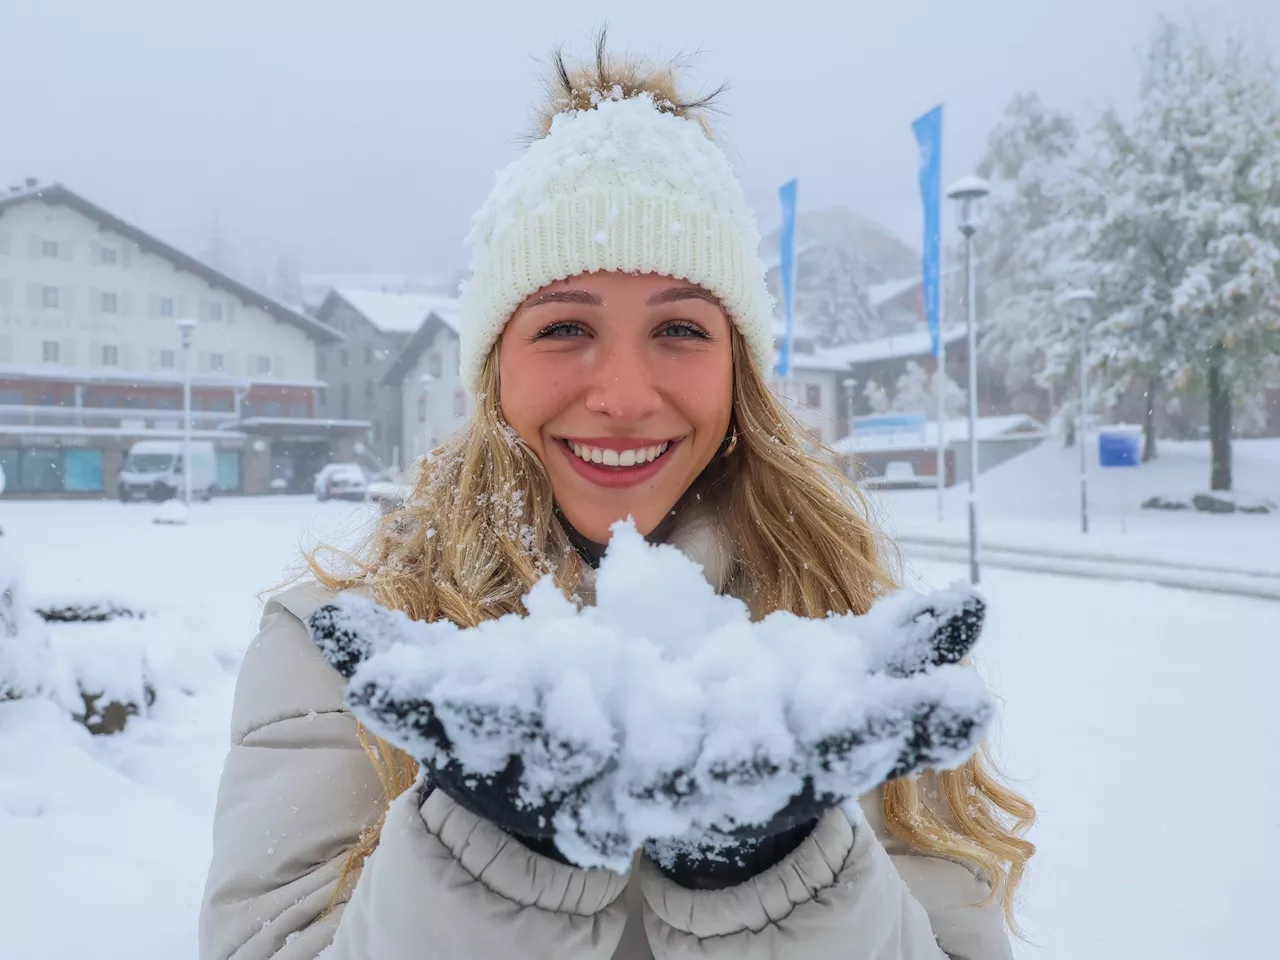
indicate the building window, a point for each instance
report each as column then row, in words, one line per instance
column 263, row 365
column 82, row 471
column 298, row 411
column 167, row 359
column 49, row 297
column 49, row 249
column 109, row 256
column 434, row 364
column 166, row 307
column 272, row 408
column 346, row 357
column 217, row 362
column 51, row 351
column 813, row 394
column 346, row 400
column 214, row 312
column 459, row 403
column 110, row 355
column 321, row 396
column 422, row 408
column 368, row 389
column 229, row 472
column 40, row 470
column 368, row 353
column 110, row 302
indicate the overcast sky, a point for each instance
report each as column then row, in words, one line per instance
column 362, row 135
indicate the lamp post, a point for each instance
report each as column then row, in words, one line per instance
column 968, row 194
column 1080, row 303
column 185, row 326
column 849, row 384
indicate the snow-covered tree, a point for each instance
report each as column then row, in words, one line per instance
column 1186, row 231
column 288, row 278
column 876, row 397
column 1029, row 245
column 917, row 391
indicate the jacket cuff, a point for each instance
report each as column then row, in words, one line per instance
column 513, row 871
column 767, row 898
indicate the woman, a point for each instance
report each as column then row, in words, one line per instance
column 615, row 334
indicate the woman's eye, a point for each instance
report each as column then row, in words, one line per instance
column 560, row 330
column 682, row 330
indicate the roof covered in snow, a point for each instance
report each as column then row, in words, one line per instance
column 881, row 293
column 393, row 312
column 900, row 346
column 925, row 437
column 56, row 194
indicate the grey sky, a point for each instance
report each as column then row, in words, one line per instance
column 363, row 135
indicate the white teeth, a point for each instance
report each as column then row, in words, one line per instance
column 618, row 458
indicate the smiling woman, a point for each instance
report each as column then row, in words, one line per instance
column 622, row 386
column 615, row 335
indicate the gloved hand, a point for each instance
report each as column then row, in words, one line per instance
column 725, row 808
column 350, row 633
column 906, row 635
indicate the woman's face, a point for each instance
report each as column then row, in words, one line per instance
column 622, row 385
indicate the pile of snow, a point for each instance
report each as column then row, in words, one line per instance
column 663, row 681
column 29, row 666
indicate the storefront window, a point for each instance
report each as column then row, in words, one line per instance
column 229, row 475
column 82, row 471
column 41, row 470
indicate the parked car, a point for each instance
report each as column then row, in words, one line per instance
column 154, row 471
column 345, row 481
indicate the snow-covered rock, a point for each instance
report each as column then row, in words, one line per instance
column 171, row 513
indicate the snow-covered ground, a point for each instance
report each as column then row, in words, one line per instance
column 1136, row 717
column 1034, row 501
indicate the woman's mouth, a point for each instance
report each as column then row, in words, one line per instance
column 619, row 463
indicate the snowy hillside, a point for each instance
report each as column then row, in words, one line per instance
column 841, row 256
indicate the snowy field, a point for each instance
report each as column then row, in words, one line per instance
column 1136, row 717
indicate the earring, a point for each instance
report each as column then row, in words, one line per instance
column 729, row 445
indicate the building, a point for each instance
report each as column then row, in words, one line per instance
column 91, row 357
column 425, row 376
column 376, row 326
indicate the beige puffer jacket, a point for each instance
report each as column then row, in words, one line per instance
column 297, row 790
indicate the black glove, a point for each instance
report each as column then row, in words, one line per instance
column 350, row 633
column 907, row 635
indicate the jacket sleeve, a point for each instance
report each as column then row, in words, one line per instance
column 296, row 793
column 838, row 896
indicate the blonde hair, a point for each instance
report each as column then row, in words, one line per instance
column 480, row 528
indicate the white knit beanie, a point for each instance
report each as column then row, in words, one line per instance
column 626, row 187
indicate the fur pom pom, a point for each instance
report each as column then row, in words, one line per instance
column 584, row 85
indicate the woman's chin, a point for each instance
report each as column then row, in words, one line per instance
column 598, row 528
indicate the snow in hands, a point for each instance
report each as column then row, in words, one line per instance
column 663, row 711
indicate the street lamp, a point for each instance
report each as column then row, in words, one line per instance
column 849, row 384
column 968, row 194
column 1080, row 303
column 185, row 326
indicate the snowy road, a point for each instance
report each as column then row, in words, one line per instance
column 1138, row 718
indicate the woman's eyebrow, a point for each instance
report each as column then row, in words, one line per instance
column 580, row 297
column 674, row 294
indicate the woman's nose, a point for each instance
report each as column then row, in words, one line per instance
column 622, row 384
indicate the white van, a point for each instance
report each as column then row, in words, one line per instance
column 153, row 470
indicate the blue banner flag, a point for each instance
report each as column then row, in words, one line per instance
column 928, row 131
column 787, row 266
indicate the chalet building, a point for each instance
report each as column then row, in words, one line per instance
column 426, row 378
column 376, row 326
column 91, row 358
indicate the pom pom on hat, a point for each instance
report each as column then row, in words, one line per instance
column 624, row 178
